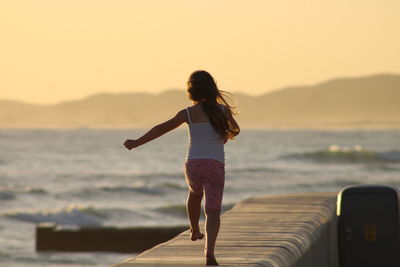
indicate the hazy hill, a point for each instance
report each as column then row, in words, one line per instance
column 366, row 101
column 351, row 102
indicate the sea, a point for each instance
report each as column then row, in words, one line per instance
column 85, row 177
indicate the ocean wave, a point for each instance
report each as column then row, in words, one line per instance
column 258, row 169
column 128, row 189
column 179, row 210
column 172, row 186
column 35, row 191
column 145, row 189
column 8, row 193
column 356, row 154
column 174, row 210
column 388, row 168
column 72, row 215
column 335, row 183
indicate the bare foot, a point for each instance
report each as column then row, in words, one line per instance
column 210, row 260
column 196, row 235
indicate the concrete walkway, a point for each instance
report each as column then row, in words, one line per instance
column 287, row 230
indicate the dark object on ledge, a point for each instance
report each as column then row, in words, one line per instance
column 368, row 226
column 49, row 237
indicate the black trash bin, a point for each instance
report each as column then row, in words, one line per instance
column 368, row 226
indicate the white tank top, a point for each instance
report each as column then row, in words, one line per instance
column 204, row 141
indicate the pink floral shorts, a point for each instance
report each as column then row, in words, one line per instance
column 206, row 176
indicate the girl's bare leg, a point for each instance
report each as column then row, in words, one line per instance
column 212, row 228
column 193, row 207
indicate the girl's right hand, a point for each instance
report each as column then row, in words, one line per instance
column 129, row 144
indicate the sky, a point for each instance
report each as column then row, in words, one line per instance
column 59, row 50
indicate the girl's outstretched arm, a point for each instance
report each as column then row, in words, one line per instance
column 158, row 130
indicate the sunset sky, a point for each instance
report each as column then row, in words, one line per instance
column 58, row 50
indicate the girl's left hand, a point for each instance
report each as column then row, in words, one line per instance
column 129, row 144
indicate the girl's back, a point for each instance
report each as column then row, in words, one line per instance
column 197, row 114
column 204, row 140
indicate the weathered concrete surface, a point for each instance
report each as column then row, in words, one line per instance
column 288, row 230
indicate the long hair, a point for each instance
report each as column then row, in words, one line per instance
column 202, row 88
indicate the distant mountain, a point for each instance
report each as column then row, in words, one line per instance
column 372, row 101
column 365, row 102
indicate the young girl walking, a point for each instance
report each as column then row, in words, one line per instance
column 211, row 125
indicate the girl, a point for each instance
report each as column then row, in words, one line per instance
column 211, row 125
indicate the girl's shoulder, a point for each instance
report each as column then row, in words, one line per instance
column 194, row 106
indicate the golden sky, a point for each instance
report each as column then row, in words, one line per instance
column 57, row 50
